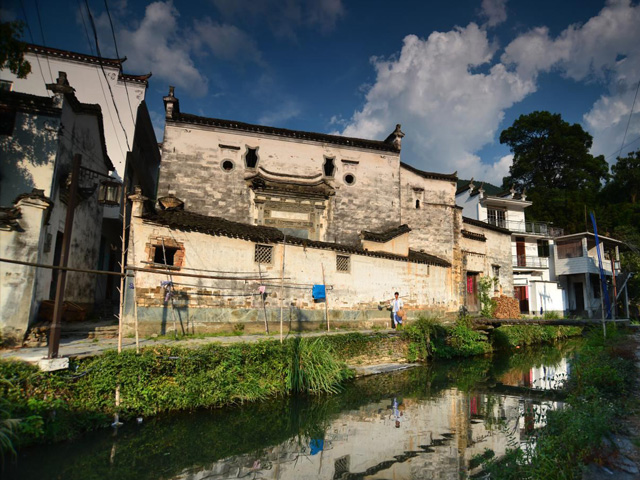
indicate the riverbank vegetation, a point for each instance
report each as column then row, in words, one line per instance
column 598, row 394
column 60, row 405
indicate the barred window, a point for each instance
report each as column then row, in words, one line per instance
column 263, row 254
column 343, row 263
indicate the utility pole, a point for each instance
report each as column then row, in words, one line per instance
column 56, row 325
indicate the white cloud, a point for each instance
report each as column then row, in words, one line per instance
column 156, row 45
column 495, row 11
column 605, row 49
column 225, row 41
column 284, row 17
column 447, row 110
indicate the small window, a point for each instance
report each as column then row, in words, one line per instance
column 343, row 263
column 6, row 86
column 251, row 157
column 417, row 204
column 349, row 179
column 168, row 253
column 543, row 248
column 227, row 165
column 329, row 167
column 495, row 270
column 263, row 254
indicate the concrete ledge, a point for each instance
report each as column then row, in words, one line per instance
column 53, row 364
column 363, row 371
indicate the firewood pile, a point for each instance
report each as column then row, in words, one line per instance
column 506, row 307
column 38, row 335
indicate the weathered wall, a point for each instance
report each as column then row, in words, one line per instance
column 191, row 169
column 207, row 304
column 17, row 282
column 433, row 223
column 28, row 155
column 90, row 86
column 481, row 256
column 37, row 240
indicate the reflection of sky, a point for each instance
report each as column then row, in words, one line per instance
column 400, row 438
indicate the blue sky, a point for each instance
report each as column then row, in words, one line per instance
column 454, row 74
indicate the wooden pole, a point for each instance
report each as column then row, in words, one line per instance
column 173, row 313
column 264, row 308
column 326, row 300
column 135, row 311
column 615, row 289
column 54, row 335
column 122, row 269
column 284, row 244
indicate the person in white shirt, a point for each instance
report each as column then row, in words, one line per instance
column 396, row 306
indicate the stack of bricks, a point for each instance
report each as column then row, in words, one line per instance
column 506, row 307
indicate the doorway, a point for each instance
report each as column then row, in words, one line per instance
column 471, row 296
column 579, row 296
column 522, row 294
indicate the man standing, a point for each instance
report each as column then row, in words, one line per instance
column 396, row 308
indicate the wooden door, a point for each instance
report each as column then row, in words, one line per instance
column 521, row 252
column 522, row 294
column 471, row 298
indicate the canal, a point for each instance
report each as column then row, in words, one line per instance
column 426, row 422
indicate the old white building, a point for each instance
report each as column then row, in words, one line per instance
column 351, row 211
column 38, row 139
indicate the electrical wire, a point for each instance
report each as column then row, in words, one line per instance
column 99, row 55
column 44, row 42
column 113, row 33
column 86, row 32
column 624, row 146
column 629, row 120
column 26, row 21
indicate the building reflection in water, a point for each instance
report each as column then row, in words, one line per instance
column 406, row 438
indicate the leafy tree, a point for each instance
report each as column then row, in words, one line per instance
column 12, row 49
column 553, row 164
column 626, row 177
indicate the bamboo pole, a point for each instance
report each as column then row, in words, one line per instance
column 326, row 300
column 135, row 312
column 284, row 244
column 266, row 320
column 116, row 416
column 122, row 269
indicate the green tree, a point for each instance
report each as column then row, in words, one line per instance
column 553, row 164
column 12, row 49
column 626, row 177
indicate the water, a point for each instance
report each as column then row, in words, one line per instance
column 427, row 422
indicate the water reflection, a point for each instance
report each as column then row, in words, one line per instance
column 427, row 422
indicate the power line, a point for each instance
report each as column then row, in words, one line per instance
column 629, row 120
column 95, row 35
column 26, row 20
column 106, row 6
column 624, row 146
column 44, row 42
column 104, row 95
column 86, row 32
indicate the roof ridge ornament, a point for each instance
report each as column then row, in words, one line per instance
column 171, row 104
column 395, row 138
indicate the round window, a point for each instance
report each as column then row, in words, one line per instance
column 227, row 165
column 349, row 179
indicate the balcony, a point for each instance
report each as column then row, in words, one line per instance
column 533, row 228
column 524, row 261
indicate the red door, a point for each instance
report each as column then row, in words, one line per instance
column 520, row 252
column 522, row 294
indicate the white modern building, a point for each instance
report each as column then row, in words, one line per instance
column 534, row 277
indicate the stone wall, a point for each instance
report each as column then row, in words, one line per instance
column 432, row 220
column 193, row 160
column 208, row 304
